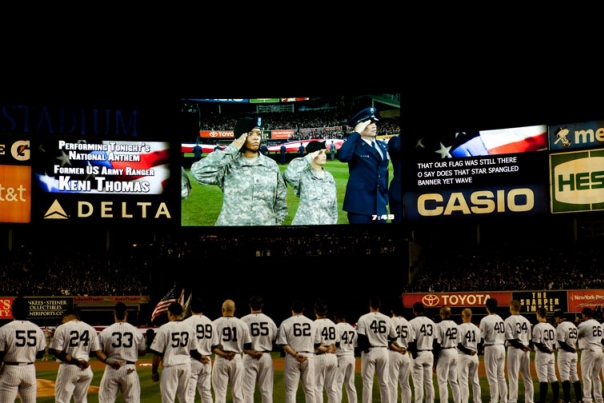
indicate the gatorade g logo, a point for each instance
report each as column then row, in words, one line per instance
column 577, row 180
column 20, row 150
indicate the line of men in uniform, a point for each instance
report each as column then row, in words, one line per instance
column 318, row 353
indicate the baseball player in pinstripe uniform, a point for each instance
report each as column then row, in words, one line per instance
column 233, row 340
column 298, row 337
column 326, row 362
column 447, row 339
column 518, row 335
column 544, row 340
column 173, row 345
column 493, row 331
column 566, row 338
column 124, row 343
column 467, row 367
column 201, row 369
column 376, row 334
column 263, row 331
column 400, row 358
column 425, row 334
column 590, row 343
column 21, row 342
column 345, row 355
column 73, row 344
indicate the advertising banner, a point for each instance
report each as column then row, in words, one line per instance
column 48, row 307
column 478, row 173
column 456, row 299
column 5, row 308
column 550, row 300
column 577, row 181
column 15, row 194
column 575, row 136
column 579, row 299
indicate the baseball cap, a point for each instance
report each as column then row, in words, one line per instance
column 362, row 115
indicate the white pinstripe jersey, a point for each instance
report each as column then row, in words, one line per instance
column 232, row 333
column 77, row 339
column 447, row 334
column 262, row 329
column 470, row 335
column 377, row 327
column 300, row 333
column 404, row 331
column 590, row 334
column 348, row 339
column 425, row 332
column 21, row 340
column 205, row 331
column 122, row 341
column 567, row 332
column 545, row 334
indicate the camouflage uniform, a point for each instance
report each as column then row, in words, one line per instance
column 254, row 190
column 318, row 200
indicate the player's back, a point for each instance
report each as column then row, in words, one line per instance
column 348, row 338
column 470, row 335
column 377, row 327
column 567, row 332
column 493, row 330
column 76, row 338
column 174, row 341
column 590, row 334
column 204, row 331
column 300, row 333
column 404, row 332
column 447, row 334
column 122, row 341
column 425, row 332
column 545, row 334
column 232, row 333
column 327, row 331
column 517, row 327
column 263, row 331
column 21, row 340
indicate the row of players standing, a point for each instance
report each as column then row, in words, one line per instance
column 454, row 350
column 255, row 191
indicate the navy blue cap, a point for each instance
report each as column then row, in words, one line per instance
column 365, row 114
column 246, row 125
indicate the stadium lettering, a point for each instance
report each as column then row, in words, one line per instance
column 4, row 313
column 465, row 300
column 12, row 194
column 86, row 209
column 2, row 149
column 480, row 202
column 65, row 120
column 587, row 136
column 582, row 181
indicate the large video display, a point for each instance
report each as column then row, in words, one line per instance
column 464, row 174
column 281, row 184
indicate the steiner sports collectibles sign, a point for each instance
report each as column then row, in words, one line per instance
column 457, row 299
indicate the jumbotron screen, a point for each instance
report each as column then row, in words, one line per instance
column 281, row 184
column 476, row 174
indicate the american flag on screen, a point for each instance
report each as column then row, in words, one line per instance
column 163, row 304
column 481, row 143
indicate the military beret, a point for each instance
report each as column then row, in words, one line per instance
column 365, row 114
column 314, row 146
column 246, row 125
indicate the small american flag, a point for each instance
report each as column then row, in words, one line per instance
column 164, row 303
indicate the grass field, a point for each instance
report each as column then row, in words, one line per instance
column 205, row 202
column 150, row 390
